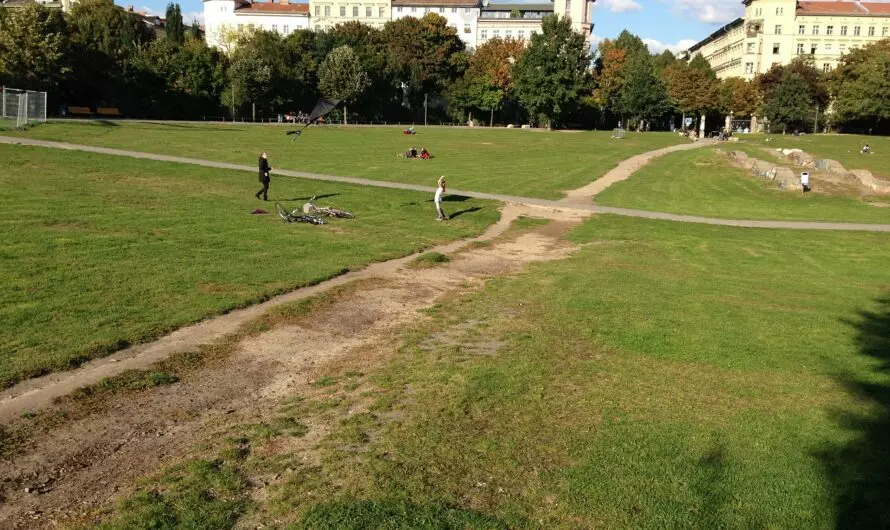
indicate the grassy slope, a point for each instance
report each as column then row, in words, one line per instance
column 843, row 148
column 665, row 376
column 701, row 182
column 515, row 162
column 97, row 252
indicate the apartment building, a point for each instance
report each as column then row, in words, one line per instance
column 511, row 21
column 224, row 17
column 775, row 31
column 462, row 15
column 328, row 13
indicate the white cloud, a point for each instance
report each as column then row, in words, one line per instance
column 620, row 6
column 150, row 12
column 658, row 47
column 709, row 11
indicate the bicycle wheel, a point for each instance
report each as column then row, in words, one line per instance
column 309, row 219
column 340, row 213
column 283, row 213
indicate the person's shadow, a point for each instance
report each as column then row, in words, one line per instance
column 307, row 198
column 461, row 212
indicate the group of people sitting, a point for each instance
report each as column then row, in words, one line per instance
column 413, row 153
column 409, row 131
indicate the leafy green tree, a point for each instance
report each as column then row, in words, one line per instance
column 175, row 30
column 861, row 86
column 805, row 68
column 194, row 32
column 33, row 43
column 740, row 97
column 340, row 76
column 552, row 75
column 249, row 77
column 701, row 64
column 663, row 60
column 99, row 25
column 692, row 91
column 643, row 96
column 790, row 102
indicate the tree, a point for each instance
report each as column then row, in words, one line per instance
column 33, row 42
column 249, row 75
column 692, row 90
column 551, row 77
column 194, row 32
column 790, row 102
column 608, row 74
column 340, row 76
column 740, row 97
column 175, row 30
column 490, row 73
column 701, row 64
column 861, row 86
column 101, row 26
column 804, row 67
column 643, row 96
column 662, row 61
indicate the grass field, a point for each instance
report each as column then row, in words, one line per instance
column 665, row 376
column 98, row 252
column 514, row 162
column 701, row 182
column 843, row 148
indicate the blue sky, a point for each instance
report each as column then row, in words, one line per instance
column 662, row 24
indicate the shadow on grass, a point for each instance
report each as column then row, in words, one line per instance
column 461, row 212
column 860, row 468
column 361, row 515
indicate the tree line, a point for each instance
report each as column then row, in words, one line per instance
column 101, row 55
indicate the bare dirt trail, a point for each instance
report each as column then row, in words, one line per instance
column 82, row 463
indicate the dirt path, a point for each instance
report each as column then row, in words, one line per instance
column 77, row 466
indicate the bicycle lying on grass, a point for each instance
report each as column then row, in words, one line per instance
column 311, row 209
column 296, row 216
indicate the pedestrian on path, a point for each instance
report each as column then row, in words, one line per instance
column 440, row 191
column 265, row 169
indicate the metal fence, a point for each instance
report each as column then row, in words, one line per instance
column 24, row 106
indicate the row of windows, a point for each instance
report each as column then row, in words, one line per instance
column 801, row 48
column 285, row 29
column 369, row 11
column 749, row 67
column 508, row 34
column 759, row 11
column 829, row 30
column 440, row 10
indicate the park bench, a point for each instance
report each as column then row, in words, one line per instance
column 79, row 111
column 108, row 111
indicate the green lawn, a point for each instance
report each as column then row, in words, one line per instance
column 701, row 182
column 843, row 148
column 664, row 376
column 98, row 252
column 509, row 161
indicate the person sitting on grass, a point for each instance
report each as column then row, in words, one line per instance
column 424, row 154
column 412, row 152
column 866, row 149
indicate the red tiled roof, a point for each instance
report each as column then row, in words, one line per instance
column 843, row 8
column 272, row 8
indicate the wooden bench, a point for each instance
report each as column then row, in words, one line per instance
column 108, row 111
column 79, row 111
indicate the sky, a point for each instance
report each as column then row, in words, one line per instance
column 662, row 24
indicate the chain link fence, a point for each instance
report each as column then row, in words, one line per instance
column 23, row 106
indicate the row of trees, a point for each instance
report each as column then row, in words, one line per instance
column 102, row 55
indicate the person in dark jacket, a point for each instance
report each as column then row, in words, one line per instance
column 265, row 168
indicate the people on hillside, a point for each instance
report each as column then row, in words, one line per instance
column 424, row 154
column 440, row 191
column 264, row 169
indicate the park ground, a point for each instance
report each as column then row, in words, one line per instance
column 607, row 372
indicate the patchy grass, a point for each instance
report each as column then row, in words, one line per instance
column 845, row 148
column 702, row 182
column 428, row 260
column 100, row 252
column 510, row 161
column 664, row 376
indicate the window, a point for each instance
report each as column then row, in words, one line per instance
column 250, row 26
column 775, row 48
column 496, row 33
column 568, row 10
column 368, row 12
column 398, row 10
column 855, row 31
column 779, row 10
column 842, row 48
column 468, row 10
column 801, row 29
column 275, row 28
column 286, row 29
column 318, row 11
column 884, row 31
column 327, row 11
column 843, row 30
column 342, row 11
column 441, row 10
column 484, row 34
column 751, row 47
column 749, row 68
column 413, row 9
column 318, row 27
column 757, row 12
column 521, row 34
column 829, row 30
column 828, row 48
column 508, row 34
column 382, row 12
column 240, row 26
column 426, row 10
column 355, row 11
column 799, row 48
column 454, row 10
column 815, row 30
column 813, row 49
column 871, row 31
column 826, row 67
column 778, row 29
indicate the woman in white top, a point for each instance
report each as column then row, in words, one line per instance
column 438, row 199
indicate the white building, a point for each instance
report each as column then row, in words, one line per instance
column 328, row 13
column 776, row 31
column 511, row 21
column 226, row 17
column 462, row 15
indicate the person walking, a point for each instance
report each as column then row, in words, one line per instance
column 440, row 191
column 805, row 182
column 265, row 169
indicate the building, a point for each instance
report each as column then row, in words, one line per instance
column 223, row 18
column 64, row 5
column 511, row 21
column 462, row 15
column 328, row 13
column 776, row 31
